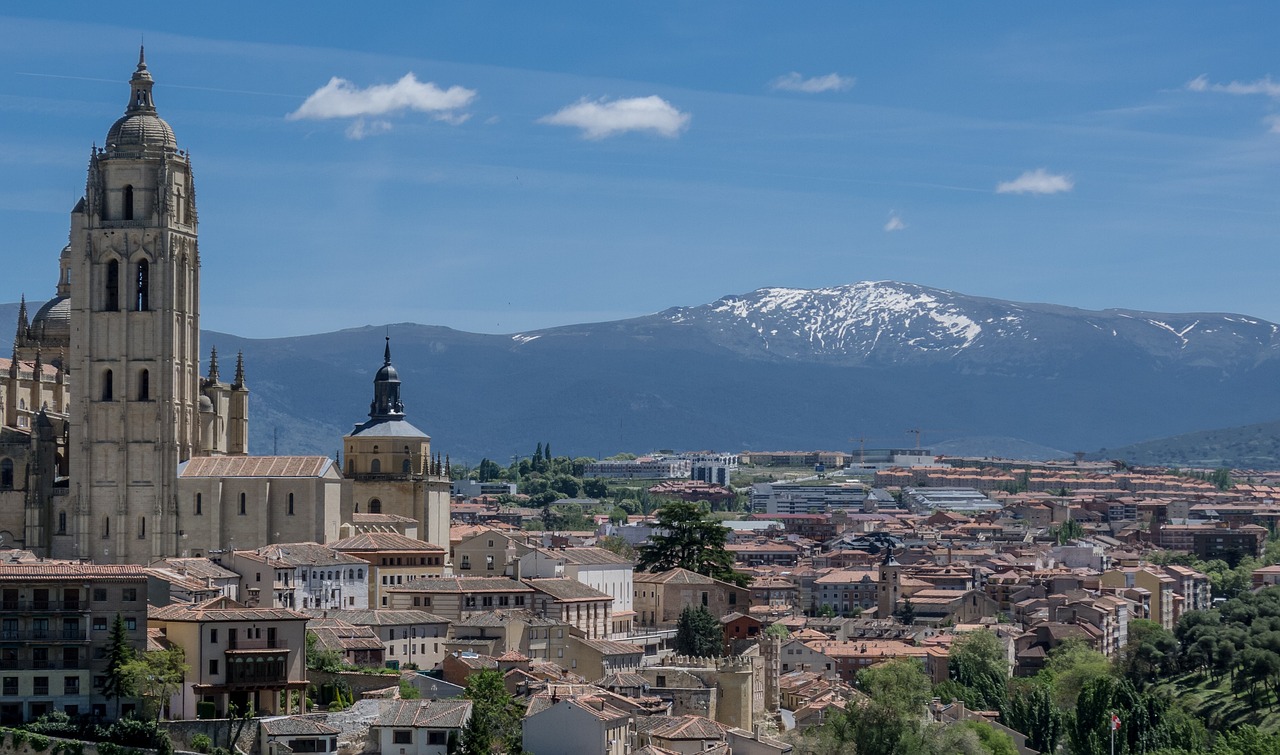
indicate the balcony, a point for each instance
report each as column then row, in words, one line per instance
column 43, row 605
column 256, row 644
column 30, row 665
column 44, row 635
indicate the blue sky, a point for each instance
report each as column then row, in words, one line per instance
column 499, row 167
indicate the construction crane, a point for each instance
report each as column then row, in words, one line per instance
column 917, row 431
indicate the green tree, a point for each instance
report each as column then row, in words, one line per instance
column 594, row 487
column 156, row 676
column 906, row 612
column 1029, row 709
column 686, row 539
column 698, row 633
column 495, row 716
column 1071, row 666
column 119, row 653
column 777, row 630
column 615, row 544
column 978, row 662
column 321, row 659
column 992, row 740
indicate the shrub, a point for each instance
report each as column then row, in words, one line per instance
column 201, row 742
column 39, row 742
column 206, row 709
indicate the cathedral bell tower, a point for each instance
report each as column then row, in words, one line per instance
column 134, row 272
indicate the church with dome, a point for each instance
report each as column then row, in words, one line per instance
column 115, row 448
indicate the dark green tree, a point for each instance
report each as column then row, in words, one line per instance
column 698, row 633
column 688, row 540
column 594, row 487
column 978, row 662
column 495, row 716
column 1029, row 709
column 906, row 612
column 119, row 654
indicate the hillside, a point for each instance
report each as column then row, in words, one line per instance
column 781, row 368
column 1254, row 446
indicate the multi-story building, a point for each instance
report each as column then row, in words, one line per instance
column 661, row 597
column 581, row 606
column 301, row 575
column 644, row 468
column 421, row 727
column 802, row 498
column 393, row 559
column 456, row 598
column 237, row 656
column 1159, row 586
column 846, row 591
column 407, row 636
column 55, row 622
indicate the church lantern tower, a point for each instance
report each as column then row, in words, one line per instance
column 134, row 271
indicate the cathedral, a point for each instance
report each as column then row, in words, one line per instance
column 114, row 448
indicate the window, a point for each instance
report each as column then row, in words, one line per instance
column 10, row 685
column 108, row 390
column 213, row 667
column 127, row 209
column 99, row 623
column 62, row 522
column 375, row 506
column 704, row 598
column 111, row 293
column 402, row 736
column 131, row 624
column 129, row 594
column 733, row 599
column 488, row 563
column 291, row 504
column 375, row 467
column 199, row 505
column 213, row 636
column 71, row 685
column 242, row 504
column 406, row 468
column 106, row 527
column 6, row 474
column 519, row 600
column 40, row 685
column 142, row 528
column 436, row 738
column 144, row 386
column 99, row 594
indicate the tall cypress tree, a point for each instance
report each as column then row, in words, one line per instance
column 119, row 653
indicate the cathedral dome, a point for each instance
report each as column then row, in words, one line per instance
column 387, row 373
column 52, row 323
column 141, row 130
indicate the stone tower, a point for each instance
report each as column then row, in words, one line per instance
column 890, row 586
column 134, row 286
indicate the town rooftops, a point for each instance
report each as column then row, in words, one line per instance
column 299, row 554
column 255, row 466
column 680, row 727
column 462, row 585
column 676, row 577
column 297, row 726
column 70, row 571
column 382, row 617
column 567, row 590
column 200, row 568
column 591, row 556
column 611, row 647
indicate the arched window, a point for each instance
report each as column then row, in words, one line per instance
column 142, row 287
column 291, row 504
column 106, row 526
column 6, row 474
column 242, row 504
column 108, row 390
column 375, row 506
column 128, row 203
column 199, row 504
column 111, row 295
column 351, row 465
column 406, row 467
column 144, row 386
column 359, row 573
column 142, row 527
column 357, row 507
column 375, row 466
column 62, row 522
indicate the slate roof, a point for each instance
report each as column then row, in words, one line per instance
column 611, row 647
column 388, row 428
column 434, row 714
column 255, row 466
column 201, row 568
column 301, row 554
column 680, row 727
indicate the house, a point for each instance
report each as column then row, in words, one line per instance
column 581, row 606
column 421, row 727
column 739, row 630
column 659, row 598
column 574, row 725
column 296, row 733
column 301, row 575
column 358, row 645
column 409, row 637
column 596, row 658
column 393, row 559
column 456, row 598
column 683, row 734
column 237, row 655
column 498, row 631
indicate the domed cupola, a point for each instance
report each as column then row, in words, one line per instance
column 386, row 402
column 140, row 129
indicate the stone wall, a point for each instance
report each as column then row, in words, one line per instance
column 216, row 729
column 359, row 683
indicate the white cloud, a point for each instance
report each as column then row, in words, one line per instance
column 342, row 99
column 1038, row 181
column 794, row 82
column 1274, row 122
column 895, row 223
column 1263, row 85
column 601, row 118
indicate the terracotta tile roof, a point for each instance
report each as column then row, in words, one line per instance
column 382, row 617
column 585, row 556
column 300, row 554
column 297, row 726
column 222, row 609
column 681, row 727
column 384, row 541
column 610, row 647
column 255, row 466
column 567, row 590
column 75, row 571
column 201, row 568
column 434, row 714
column 462, row 585
column 363, row 518
column 674, row 577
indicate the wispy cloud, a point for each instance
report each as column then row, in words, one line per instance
column 895, row 223
column 1038, row 181
column 794, row 82
column 601, row 118
column 1274, row 122
column 1263, row 85
column 343, row 99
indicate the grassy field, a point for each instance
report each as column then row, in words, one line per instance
column 1214, row 702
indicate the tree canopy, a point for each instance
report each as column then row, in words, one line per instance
column 698, row 633
column 687, row 539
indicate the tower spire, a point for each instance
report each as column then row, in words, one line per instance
column 386, row 353
column 23, row 325
column 386, row 402
column 239, row 381
column 140, row 87
column 213, row 365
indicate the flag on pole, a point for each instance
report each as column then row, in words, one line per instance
column 1115, row 722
